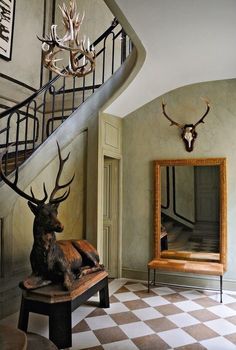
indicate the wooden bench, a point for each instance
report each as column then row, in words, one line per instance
column 58, row 304
column 177, row 265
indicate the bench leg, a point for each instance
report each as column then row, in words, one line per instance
column 24, row 315
column 221, row 288
column 104, row 296
column 60, row 325
column 154, row 277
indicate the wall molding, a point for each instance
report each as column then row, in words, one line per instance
column 186, row 280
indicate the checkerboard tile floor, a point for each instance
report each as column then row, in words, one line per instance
column 165, row 318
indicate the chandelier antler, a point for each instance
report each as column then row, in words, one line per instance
column 71, row 43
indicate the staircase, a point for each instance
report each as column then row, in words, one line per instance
column 203, row 237
column 28, row 124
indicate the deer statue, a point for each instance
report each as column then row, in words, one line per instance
column 188, row 131
column 57, row 261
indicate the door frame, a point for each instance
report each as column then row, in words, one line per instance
column 100, row 237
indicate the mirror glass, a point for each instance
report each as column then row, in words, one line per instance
column 190, row 209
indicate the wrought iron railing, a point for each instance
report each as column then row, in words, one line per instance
column 31, row 121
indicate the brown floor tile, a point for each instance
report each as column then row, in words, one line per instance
column 122, row 290
column 136, row 304
column 195, row 346
column 203, row 315
column 231, row 319
column 97, row 312
column 174, row 298
column 206, row 302
column 113, row 299
column 81, row 327
column 95, row 348
column 160, row 324
column 124, row 317
column 144, row 294
column 168, row 309
column 110, row 335
column 231, row 337
column 150, row 342
column 200, row 332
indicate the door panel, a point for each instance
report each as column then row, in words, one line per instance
column 110, row 216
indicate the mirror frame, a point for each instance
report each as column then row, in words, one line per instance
column 221, row 162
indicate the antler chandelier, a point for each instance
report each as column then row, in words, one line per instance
column 81, row 53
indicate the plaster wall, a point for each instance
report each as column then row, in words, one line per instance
column 26, row 49
column 147, row 136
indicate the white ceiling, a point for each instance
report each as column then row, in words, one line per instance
column 186, row 41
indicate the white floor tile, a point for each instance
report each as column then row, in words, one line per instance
column 84, row 340
column 99, row 322
column 226, row 299
column 221, row 326
column 147, row 314
column 218, row 343
column 121, row 345
column 116, row 284
column 156, row 301
column 126, row 296
column 136, row 286
column 176, row 337
column 115, row 308
column 222, row 310
column 192, row 294
column 183, row 320
column 136, row 329
column 80, row 313
column 188, row 305
column 163, row 290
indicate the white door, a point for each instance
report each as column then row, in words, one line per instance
column 111, row 215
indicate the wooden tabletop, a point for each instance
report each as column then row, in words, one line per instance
column 54, row 293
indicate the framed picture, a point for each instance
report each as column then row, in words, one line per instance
column 7, row 12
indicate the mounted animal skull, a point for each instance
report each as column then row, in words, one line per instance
column 51, row 260
column 188, row 131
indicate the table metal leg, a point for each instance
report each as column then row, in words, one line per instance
column 148, row 280
column 221, row 288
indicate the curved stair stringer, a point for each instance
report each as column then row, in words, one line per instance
column 65, row 133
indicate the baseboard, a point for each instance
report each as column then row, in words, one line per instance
column 190, row 280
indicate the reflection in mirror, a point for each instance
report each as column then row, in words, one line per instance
column 190, row 209
column 190, row 216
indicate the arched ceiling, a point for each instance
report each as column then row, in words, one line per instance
column 186, row 41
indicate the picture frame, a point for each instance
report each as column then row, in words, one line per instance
column 7, row 14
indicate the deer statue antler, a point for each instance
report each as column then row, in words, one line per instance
column 57, row 186
column 14, row 186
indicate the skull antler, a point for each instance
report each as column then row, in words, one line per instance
column 189, row 133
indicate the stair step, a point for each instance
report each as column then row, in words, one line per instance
column 21, row 157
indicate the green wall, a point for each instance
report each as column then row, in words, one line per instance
column 147, row 136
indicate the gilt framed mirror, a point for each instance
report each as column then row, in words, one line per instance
column 190, row 209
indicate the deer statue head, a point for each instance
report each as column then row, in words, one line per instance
column 45, row 213
column 188, row 131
